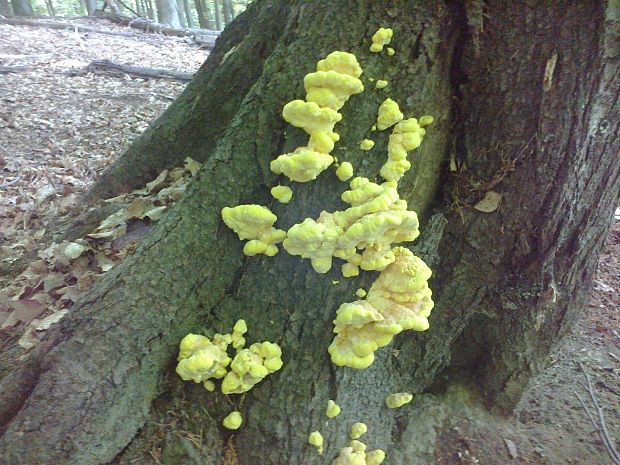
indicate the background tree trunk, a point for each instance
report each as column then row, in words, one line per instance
column 50, row 8
column 22, row 8
column 228, row 11
column 91, row 6
column 217, row 14
column 168, row 13
column 506, row 283
column 5, row 8
column 203, row 14
column 188, row 13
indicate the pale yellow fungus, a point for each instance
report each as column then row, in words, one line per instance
column 381, row 38
column 407, row 135
column 316, row 439
column 333, row 410
column 374, row 127
column 327, row 90
column 375, row 457
column 209, row 385
column 367, row 144
column 240, row 328
column 398, row 300
column 357, row 430
column 376, row 219
column 349, row 270
column 426, row 120
column 348, row 456
column 345, row 171
column 381, row 84
column 254, row 222
column 360, row 293
column 284, row 194
column 390, row 51
column 250, row 366
column 357, row 446
column 389, row 114
column 233, row 420
column 201, row 360
column 398, row 399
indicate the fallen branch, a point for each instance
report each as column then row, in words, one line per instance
column 106, row 67
column 65, row 26
column 12, row 69
column 203, row 37
column 599, row 426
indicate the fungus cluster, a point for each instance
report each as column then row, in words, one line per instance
column 203, row 360
column 398, row 300
column 355, row 453
column 327, row 90
column 254, row 222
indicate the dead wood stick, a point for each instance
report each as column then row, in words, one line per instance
column 65, row 26
column 108, row 67
column 599, row 426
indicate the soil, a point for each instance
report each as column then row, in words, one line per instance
column 57, row 134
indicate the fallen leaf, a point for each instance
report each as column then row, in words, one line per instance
column 48, row 321
column 489, row 203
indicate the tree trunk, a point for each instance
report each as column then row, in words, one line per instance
column 188, row 13
column 167, row 13
column 228, row 11
column 5, row 8
column 507, row 283
column 91, row 6
column 217, row 15
column 22, row 8
column 50, row 8
column 204, row 18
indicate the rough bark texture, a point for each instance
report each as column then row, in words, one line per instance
column 91, row 6
column 5, row 8
column 22, row 8
column 507, row 283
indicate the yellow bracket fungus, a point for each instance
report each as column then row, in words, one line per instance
column 407, row 135
column 250, row 366
column 355, row 454
column 254, row 222
column 375, row 457
column 358, row 429
column 357, row 446
column 345, row 171
column 201, row 359
column 367, row 144
column 333, row 410
column 426, row 120
column 233, row 420
column 283, row 194
column 398, row 399
column 389, row 114
column 240, row 328
column 376, row 219
column 398, row 300
column 380, row 39
column 316, row 439
column 327, row 90
column 390, row 51
column 360, row 293
column 381, row 84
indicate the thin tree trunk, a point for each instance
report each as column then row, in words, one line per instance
column 22, row 8
column 168, row 13
column 50, row 8
column 5, row 8
column 217, row 15
column 139, row 9
column 228, row 13
column 188, row 13
column 181, row 13
column 203, row 20
column 149, row 9
column 91, row 6
column 506, row 283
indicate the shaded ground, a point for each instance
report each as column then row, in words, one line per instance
column 57, row 134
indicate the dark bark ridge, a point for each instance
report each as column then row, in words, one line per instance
column 503, row 280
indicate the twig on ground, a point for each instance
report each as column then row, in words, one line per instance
column 599, row 426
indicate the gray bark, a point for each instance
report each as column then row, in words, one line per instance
column 217, row 14
column 228, row 11
column 22, row 8
column 507, row 284
column 5, row 8
column 91, row 6
column 188, row 13
column 168, row 13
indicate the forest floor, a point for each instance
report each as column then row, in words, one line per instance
column 57, row 134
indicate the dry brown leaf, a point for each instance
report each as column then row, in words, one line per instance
column 489, row 203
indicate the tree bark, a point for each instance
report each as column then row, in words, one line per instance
column 167, row 13
column 228, row 11
column 91, row 6
column 507, row 283
column 217, row 14
column 22, row 8
column 203, row 14
column 50, row 8
column 188, row 13
column 5, row 8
